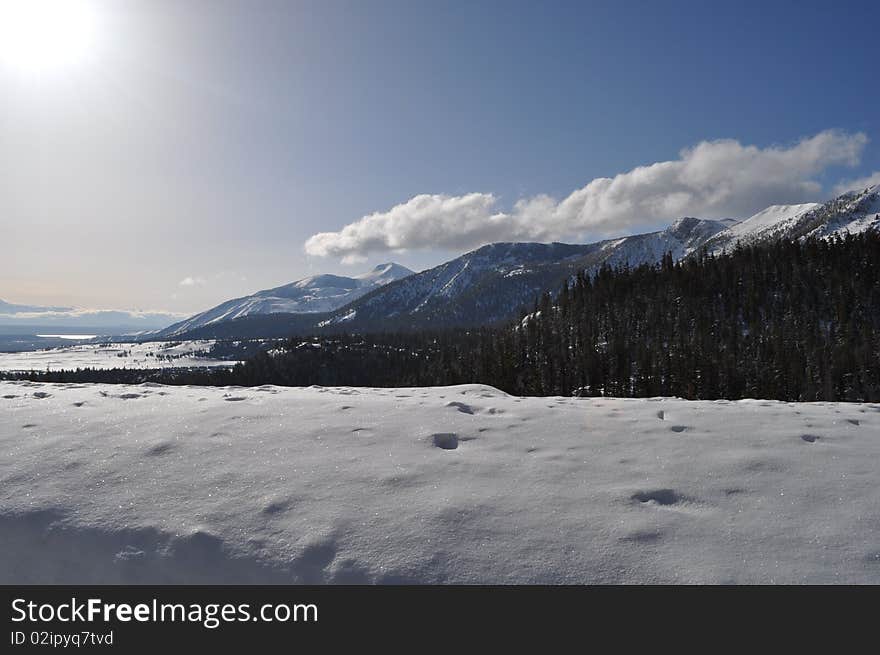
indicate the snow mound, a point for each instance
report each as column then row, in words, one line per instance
column 154, row 484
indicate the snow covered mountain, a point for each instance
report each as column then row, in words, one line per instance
column 683, row 238
column 319, row 293
column 849, row 213
column 493, row 283
column 488, row 285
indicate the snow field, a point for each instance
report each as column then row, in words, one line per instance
column 154, row 484
column 154, row 354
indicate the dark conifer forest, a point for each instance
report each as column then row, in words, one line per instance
column 795, row 321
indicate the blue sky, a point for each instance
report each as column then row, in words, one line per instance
column 207, row 141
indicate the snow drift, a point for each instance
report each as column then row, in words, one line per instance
column 152, row 484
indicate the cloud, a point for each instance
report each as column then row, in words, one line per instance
column 713, row 179
column 192, row 282
column 858, row 184
column 420, row 222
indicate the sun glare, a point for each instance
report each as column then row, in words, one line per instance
column 42, row 35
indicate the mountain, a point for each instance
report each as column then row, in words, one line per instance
column 762, row 225
column 8, row 308
column 25, row 319
column 319, row 293
column 492, row 284
column 849, row 213
column 488, row 285
column 683, row 238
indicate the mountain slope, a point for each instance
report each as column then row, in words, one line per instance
column 766, row 222
column 316, row 294
column 850, row 213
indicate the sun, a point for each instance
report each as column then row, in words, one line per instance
column 44, row 35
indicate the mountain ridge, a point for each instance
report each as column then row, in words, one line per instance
column 310, row 295
column 491, row 284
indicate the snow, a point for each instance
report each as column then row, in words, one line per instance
column 770, row 218
column 681, row 239
column 767, row 224
column 850, row 213
column 314, row 294
column 156, row 354
column 383, row 274
column 348, row 316
column 140, row 484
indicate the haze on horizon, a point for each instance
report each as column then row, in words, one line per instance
column 160, row 155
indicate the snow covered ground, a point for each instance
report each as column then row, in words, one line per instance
column 157, row 354
column 138, row 484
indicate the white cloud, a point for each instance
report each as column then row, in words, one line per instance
column 421, row 222
column 858, row 184
column 713, row 179
column 192, row 282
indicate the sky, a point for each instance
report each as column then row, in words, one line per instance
column 178, row 153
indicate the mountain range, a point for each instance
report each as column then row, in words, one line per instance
column 21, row 319
column 315, row 294
column 495, row 282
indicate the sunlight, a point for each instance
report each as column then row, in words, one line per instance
column 45, row 35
